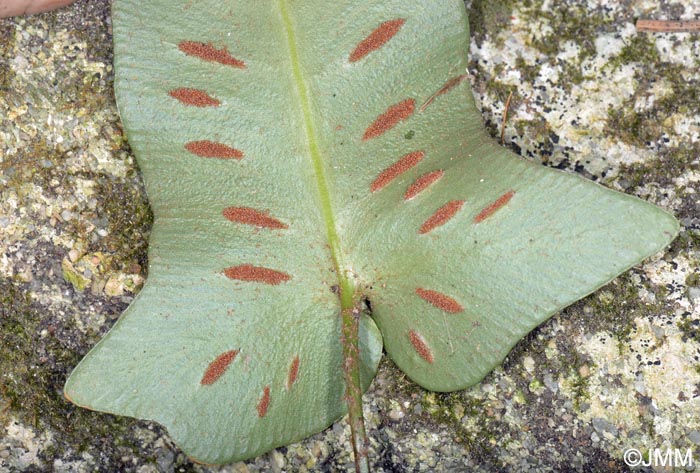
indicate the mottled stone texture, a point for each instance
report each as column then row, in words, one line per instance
column 617, row 370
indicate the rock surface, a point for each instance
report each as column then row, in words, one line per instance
column 617, row 370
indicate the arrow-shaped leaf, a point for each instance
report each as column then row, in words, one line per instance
column 302, row 157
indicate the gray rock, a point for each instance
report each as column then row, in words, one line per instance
column 694, row 437
column 551, row 383
column 694, row 295
column 396, row 415
column 602, row 425
column 166, row 460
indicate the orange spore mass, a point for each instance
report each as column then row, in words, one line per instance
column 389, row 119
column 210, row 149
column 396, row 169
column 252, row 217
column 420, row 346
column 440, row 300
column 247, row 272
column 492, row 208
column 377, row 38
column 194, row 97
column 441, row 216
column 264, row 402
column 218, row 367
column 209, row 53
column 423, row 183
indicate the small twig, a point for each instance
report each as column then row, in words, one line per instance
column 660, row 26
column 445, row 88
column 505, row 118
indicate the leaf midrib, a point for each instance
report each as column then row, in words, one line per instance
column 341, row 268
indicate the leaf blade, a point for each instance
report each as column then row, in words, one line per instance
column 267, row 142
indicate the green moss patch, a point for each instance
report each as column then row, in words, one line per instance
column 129, row 220
column 7, row 46
column 488, row 18
column 36, row 354
column 671, row 163
column 643, row 127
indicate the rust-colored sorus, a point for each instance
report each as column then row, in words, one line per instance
column 264, row 402
column 493, row 207
column 211, row 149
column 395, row 170
column 423, row 183
column 440, row 300
column 377, row 38
column 209, row 53
column 194, row 97
column 420, row 346
column 441, row 216
column 247, row 272
column 293, row 372
column 249, row 216
column 389, row 119
column 218, row 367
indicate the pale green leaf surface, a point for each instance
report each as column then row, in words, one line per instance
column 559, row 237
